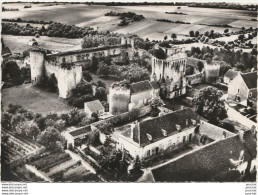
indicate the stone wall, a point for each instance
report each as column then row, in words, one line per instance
column 195, row 78
column 119, row 99
column 211, row 72
column 66, row 79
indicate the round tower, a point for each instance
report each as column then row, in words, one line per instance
column 37, row 58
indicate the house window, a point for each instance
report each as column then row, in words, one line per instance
column 148, row 153
column 238, row 91
column 190, row 137
column 250, row 94
column 157, row 150
column 183, row 139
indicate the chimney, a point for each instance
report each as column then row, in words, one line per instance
column 224, row 134
column 186, row 122
column 241, row 135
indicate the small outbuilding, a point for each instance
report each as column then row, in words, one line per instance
column 94, row 106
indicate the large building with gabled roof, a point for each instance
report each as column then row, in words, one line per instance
column 166, row 133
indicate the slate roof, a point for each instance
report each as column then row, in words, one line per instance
column 250, row 79
column 231, row 74
column 213, row 132
column 94, row 105
column 140, row 86
column 166, row 122
column 210, row 163
column 81, row 131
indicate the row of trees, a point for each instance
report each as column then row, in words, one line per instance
column 234, row 58
column 97, row 40
column 53, row 30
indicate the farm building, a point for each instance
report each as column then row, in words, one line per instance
column 94, row 106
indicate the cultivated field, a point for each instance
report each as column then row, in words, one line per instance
column 34, row 99
column 84, row 15
column 18, row 44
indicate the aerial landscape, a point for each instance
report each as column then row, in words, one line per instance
column 128, row 92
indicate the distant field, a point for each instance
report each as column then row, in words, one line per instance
column 84, row 15
column 18, row 44
column 34, row 99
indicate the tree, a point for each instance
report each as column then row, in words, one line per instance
column 94, row 64
column 95, row 115
column 49, row 137
column 191, row 33
column 154, row 103
column 226, row 31
column 159, row 53
column 87, row 76
column 52, row 83
column 165, row 38
column 173, row 36
column 189, row 70
column 101, row 93
column 209, row 105
column 197, row 33
column 200, row 66
column 224, row 67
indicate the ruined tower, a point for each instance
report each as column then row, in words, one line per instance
column 37, row 60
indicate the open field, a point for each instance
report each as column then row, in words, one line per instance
column 85, row 15
column 34, row 99
column 18, row 44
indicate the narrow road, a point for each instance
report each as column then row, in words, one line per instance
column 84, row 163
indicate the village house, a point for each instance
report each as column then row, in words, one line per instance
column 94, row 106
column 124, row 97
column 166, row 133
column 243, row 87
column 229, row 76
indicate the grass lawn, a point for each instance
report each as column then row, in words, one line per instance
column 34, row 99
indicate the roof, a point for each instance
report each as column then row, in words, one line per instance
column 154, row 84
column 156, row 126
column 250, row 79
column 94, row 105
column 140, row 86
column 231, row 74
column 80, row 131
column 6, row 51
column 213, row 132
column 210, row 163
